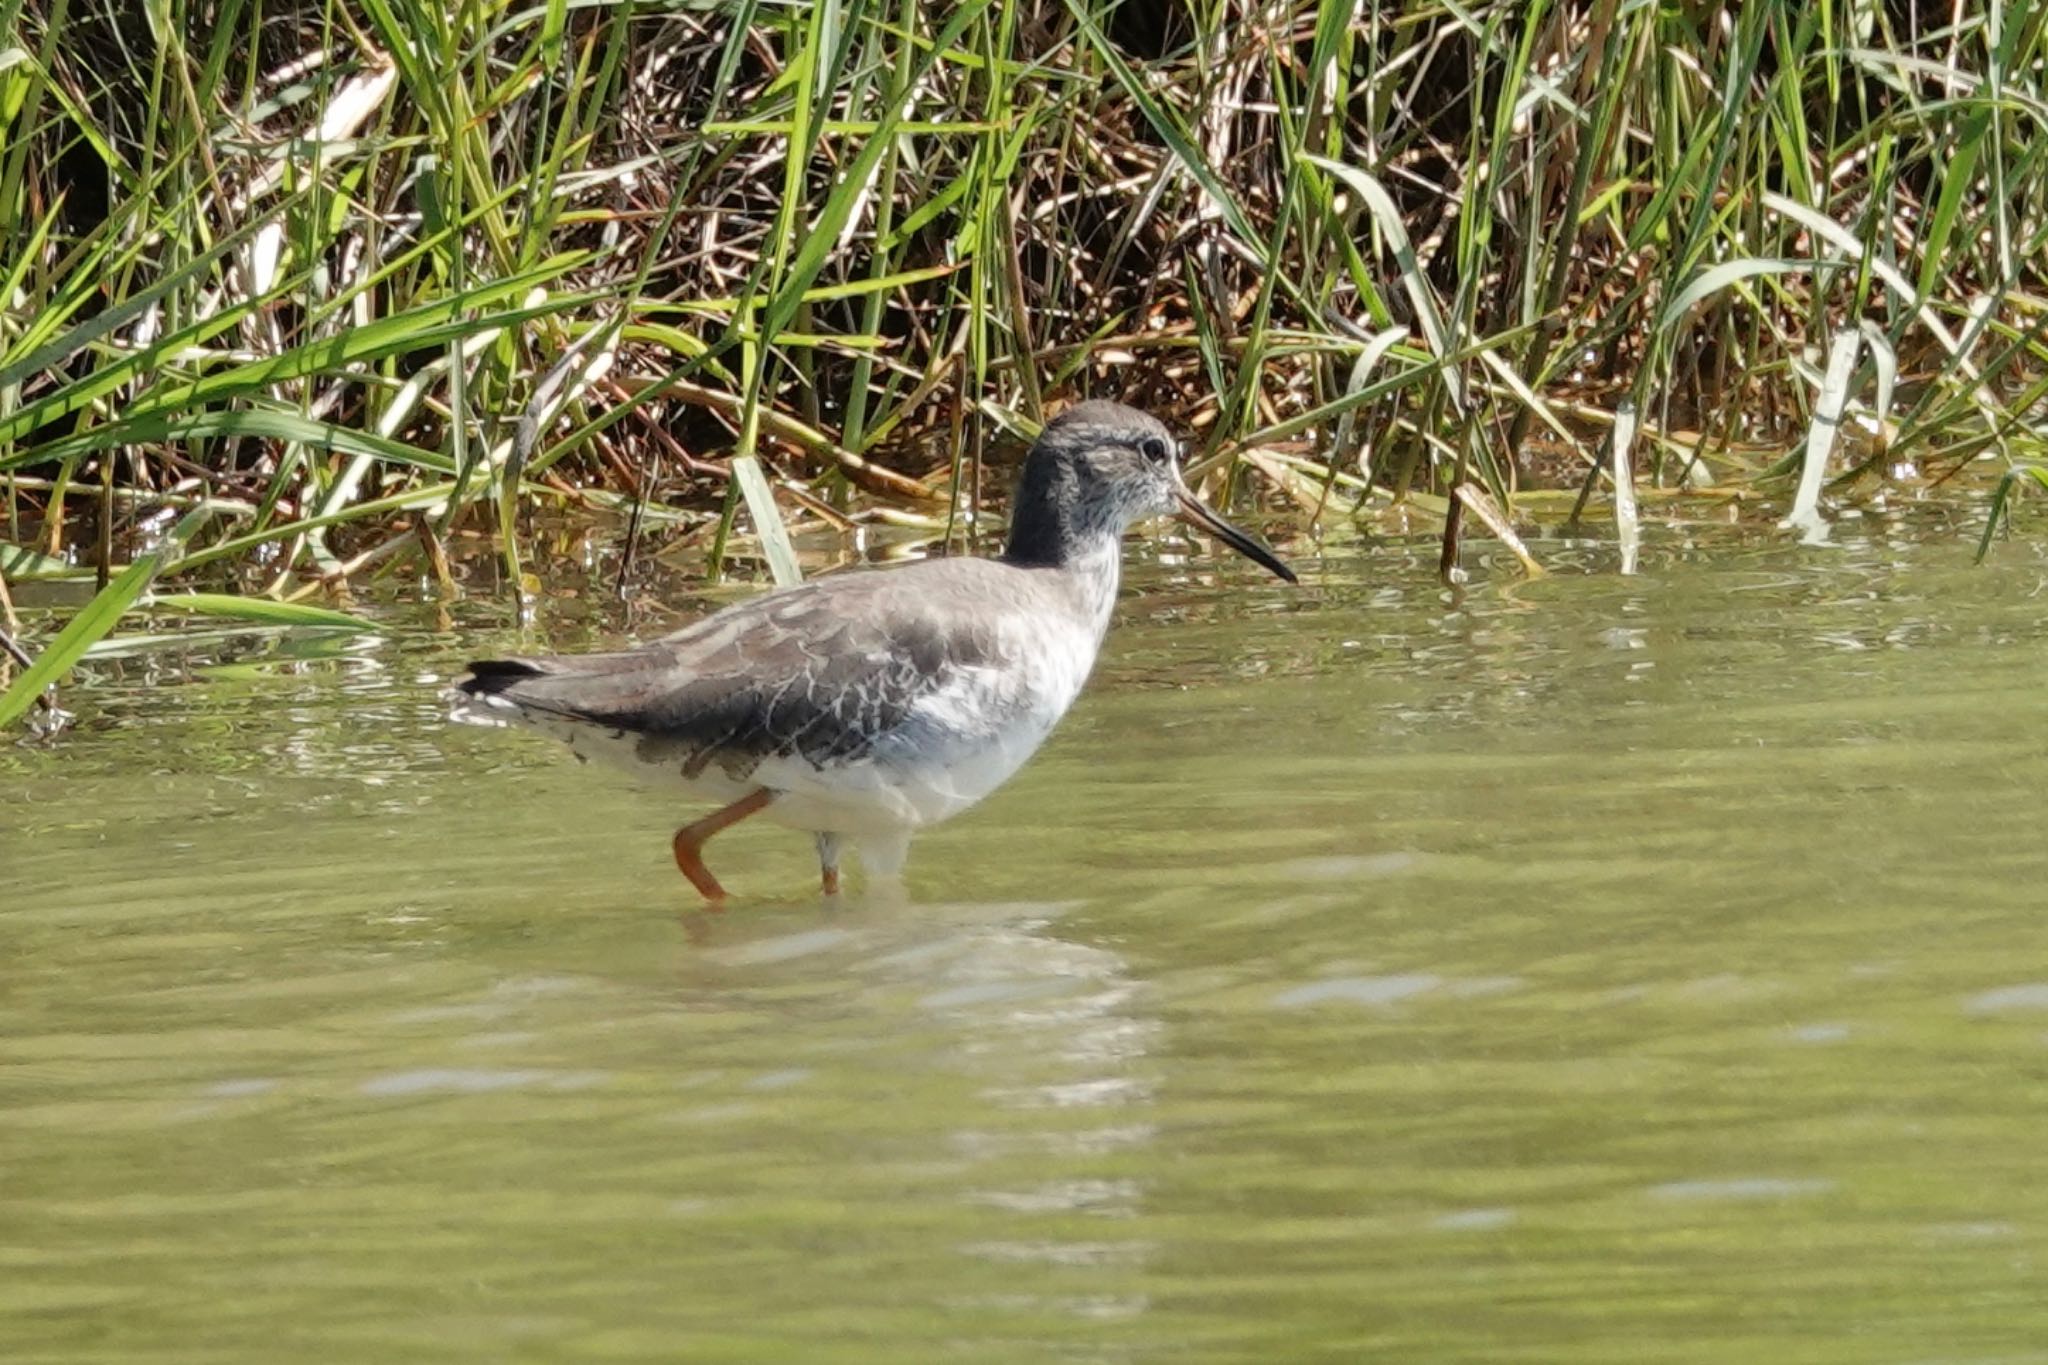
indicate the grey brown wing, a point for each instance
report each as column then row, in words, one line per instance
column 824, row 672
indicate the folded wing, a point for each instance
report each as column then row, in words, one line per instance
column 826, row 672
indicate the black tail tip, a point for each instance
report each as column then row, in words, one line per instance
column 489, row 677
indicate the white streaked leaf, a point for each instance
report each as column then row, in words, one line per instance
column 1716, row 278
column 1820, row 437
column 1627, row 527
column 1369, row 357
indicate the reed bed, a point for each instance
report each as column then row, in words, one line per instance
column 296, row 291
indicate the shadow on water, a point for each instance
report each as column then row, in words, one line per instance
column 1595, row 968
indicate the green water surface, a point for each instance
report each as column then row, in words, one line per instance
column 1593, row 969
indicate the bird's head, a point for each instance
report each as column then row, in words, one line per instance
column 1101, row 466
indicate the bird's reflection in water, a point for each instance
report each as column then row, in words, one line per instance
column 1041, row 1034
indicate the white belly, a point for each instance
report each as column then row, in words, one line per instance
column 959, row 743
column 899, row 792
column 897, row 788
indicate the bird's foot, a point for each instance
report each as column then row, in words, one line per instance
column 691, row 838
column 828, row 863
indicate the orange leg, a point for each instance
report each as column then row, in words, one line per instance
column 828, row 863
column 691, row 838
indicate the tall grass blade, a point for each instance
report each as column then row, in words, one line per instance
column 774, row 536
column 18, row 562
column 1714, row 279
column 1346, row 441
column 93, row 621
column 1481, row 504
column 264, row 611
column 1387, row 216
column 1621, row 445
column 1821, row 434
column 2001, row 500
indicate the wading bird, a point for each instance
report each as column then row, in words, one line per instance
column 868, row 705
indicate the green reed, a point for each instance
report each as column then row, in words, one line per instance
column 307, row 264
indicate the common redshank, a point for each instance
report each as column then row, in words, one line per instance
column 868, row 705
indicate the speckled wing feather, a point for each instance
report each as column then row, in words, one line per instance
column 825, row 671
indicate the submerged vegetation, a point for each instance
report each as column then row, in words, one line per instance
column 295, row 292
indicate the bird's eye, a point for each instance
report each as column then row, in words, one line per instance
column 1155, row 450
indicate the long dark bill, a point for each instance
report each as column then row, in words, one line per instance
column 1196, row 515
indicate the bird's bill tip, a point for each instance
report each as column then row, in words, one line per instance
column 1195, row 514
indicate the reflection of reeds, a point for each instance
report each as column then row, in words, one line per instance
column 307, row 265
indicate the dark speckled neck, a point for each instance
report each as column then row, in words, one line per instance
column 1052, row 525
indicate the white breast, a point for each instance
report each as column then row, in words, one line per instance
column 962, row 741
